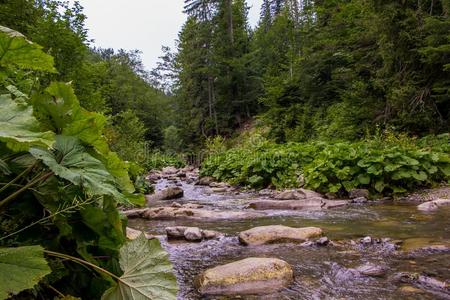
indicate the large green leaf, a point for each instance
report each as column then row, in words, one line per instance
column 16, row 50
column 59, row 109
column 69, row 160
column 18, row 128
column 147, row 273
column 21, row 268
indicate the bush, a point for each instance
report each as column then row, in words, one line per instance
column 384, row 165
column 158, row 160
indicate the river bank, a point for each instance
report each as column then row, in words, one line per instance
column 411, row 247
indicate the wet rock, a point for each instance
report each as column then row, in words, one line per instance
column 193, row 234
column 310, row 193
column 207, row 180
column 173, row 213
column 166, row 194
column 366, row 240
column 211, row 234
column 359, row 193
column 433, row 205
column 192, row 205
column 290, row 195
column 153, row 177
column 176, row 232
column 307, row 244
column 342, row 274
column 169, row 171
column 305, row 204
column 134, row 234
column 433, row 283
column 430, row 284
column 323, row 241
column 265, row 192
column 372, row 270
column 218, row 190
column 176, row 204
column 171, row 193
column 277, row 234
column 219, row 185
column 330, row 196
column 247, row 276
column 359, row 200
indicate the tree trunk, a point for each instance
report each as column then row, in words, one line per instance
column 230, row 20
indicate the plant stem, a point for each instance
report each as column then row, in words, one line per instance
column 43, row 219
column 11, row 197
column 17, row 178
column 82, row 262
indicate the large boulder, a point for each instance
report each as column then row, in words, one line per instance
column 166, row 194
column 173, row 213
column 207, row 180
column 248, row 276
column 193, row 234
column 358, row 193
column 277, row 234
column 305, row 204
column 171, row 193
column 433, row 205
column 169, row 171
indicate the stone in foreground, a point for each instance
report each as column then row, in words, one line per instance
column 433, row 205
column 250, row 276
column 277, row 234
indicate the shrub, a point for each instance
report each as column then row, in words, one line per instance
column 387, row 165
column 158, row 160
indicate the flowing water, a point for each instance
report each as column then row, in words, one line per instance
column 320, row 272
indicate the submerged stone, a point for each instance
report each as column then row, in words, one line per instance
column 249, row 276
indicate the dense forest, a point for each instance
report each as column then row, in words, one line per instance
column 312, row 70
column 332, row 95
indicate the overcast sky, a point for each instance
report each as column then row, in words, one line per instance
column 141, row 24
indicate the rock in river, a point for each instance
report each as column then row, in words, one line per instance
column 166, row 194
column 277, row 234
column 190, row 213
column 303, row 204
column 247, row 276
column 433, row 205
column 192, row 234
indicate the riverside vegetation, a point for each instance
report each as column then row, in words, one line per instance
column 61, row 184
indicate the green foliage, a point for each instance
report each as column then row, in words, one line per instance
column 19, row 129
column 21, row 268
column 16, row 50
column 391, row 165
column 147, row 272
column 383, row 169
column 158, row 160
column 172, row 140
column 60, row 189
column 126, row 137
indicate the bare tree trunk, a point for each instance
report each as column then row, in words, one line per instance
column 230, row 20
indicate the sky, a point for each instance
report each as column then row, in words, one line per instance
column 145, row 25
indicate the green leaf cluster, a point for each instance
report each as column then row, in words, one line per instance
column 383, row 167
column 60, row 188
